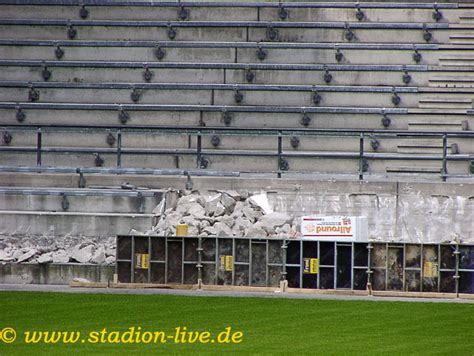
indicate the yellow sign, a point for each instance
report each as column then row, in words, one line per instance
column 430, row 269
column 310, row 265
column 226, row 263
column 142, row 260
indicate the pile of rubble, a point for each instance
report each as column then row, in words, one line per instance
column 44, row 249
column 218, row 213
column 222, row 213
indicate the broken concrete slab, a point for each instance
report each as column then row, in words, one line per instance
column 45, row 258
column 26, row 255
column 83, row 255
column 61, row 256
column 255, row 231
column 222, row 230
column 228, row 202
column 261, row 201
column 273, row 220
column 99, row 256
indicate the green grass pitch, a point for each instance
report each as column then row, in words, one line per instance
column 269, row 325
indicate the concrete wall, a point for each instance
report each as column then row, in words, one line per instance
column 408, row 212
column 15, row 273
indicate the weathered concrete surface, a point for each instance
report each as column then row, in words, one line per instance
column 14, row 273
column 408, row 212
column 25, row 223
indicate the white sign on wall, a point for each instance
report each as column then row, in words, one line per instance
column 334, row 228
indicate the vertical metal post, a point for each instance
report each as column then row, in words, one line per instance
column 456, row 273
column 182, row 260
column 334, row 248
column 38, row 146
column 369, row 270
column 361, row 156
column 444, row 170
column 233, row 262
column 319, row 264
column 267, row 268
column 119, row 148
column 279, row 153
column 422, row 261
column 149, row 259
column 199, row 264
column 250, row 261
column 166, row 260
column 386, row 266
column 301, row 263
column 284, row 247
column 198, row 150
column 404, row 267
column 132, row 273
column 352, row 265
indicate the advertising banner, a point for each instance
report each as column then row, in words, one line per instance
column 334, row 228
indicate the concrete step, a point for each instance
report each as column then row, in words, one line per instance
column 224, row 52
column 102, row 140
column 455, row 80
column 60, row 224
column 450, row 103
column 236, row 12
column 224, row 31
column 438, row 125
column 212, row 94
column 244, row 116
column 466, row 18
column 234, row 116
column 461, row 38
column 238, row 160
column 108, row 200
column 426, row 146
column 460, row 60
column 206, row 73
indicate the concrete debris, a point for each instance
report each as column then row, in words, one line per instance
column 251, row 214
column 99, row 256
column 225, row 213
column 25, row 256
column 82, row 255
column 45, row 258
column 160, row 208
column 5, row 256
column 255, row 231
column 228, row 202
column 46, row 249
column 222, row 230
column 213, row 204
column 273, row 220
column 60, row 256
column 81, row 280
column 231, row 193
column 261, row 201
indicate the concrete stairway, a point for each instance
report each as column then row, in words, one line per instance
column 91, row 75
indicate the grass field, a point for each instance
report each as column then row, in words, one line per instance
column 269, row 325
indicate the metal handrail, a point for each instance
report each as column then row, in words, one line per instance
column 280, row 154
column 178, row 3
column 204, row 108
column 207, row 44
column 259, row 66
column 213, row 24
column 198, row 86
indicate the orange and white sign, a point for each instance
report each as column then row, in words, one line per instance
column 334, row 228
